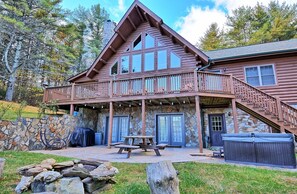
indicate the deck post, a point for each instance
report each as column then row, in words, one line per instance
column 196, row 80
column 143, row 117
column 110, row 124
column 199, row 128
column 280, row 114
column 234, row 112
column 71, row 109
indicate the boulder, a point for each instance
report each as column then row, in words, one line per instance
column 89, row 167
column 63, row 164
column 91, row 185
column 34, row 171
column 90, row 162
column 48, row 176
column 76, row 172
column 38, row 186
column 24, row 184
column 71, row 186
column 23, row 169
column 104, row 172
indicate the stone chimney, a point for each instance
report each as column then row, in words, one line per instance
column 108, row 31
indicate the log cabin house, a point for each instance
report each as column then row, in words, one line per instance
column 150, row 80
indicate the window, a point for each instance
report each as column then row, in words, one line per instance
column 149, row 61
column 136, row 63
column 162, row 59
column 114, row 69
column 175, row 61
column 137, row 44
column 149, row 41
column 125, row 64
column 260, row 75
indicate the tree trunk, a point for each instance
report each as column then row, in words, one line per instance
column 15, row 66
column 162, row 178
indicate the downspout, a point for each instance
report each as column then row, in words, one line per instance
column 210, row 62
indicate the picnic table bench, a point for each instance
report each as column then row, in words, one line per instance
column 130, row 144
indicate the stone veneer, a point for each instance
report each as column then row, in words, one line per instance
column 247, row 123
column 24, row 134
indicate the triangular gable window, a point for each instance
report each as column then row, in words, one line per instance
column 114, row 69
column 137, row 44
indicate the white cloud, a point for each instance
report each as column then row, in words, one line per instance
column 121, row 6
column 195, row 23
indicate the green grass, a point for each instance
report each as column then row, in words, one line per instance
column 28, row 112
column 194, row 177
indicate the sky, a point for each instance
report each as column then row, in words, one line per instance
column 190, row 18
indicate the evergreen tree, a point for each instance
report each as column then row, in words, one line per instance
column 212, row 39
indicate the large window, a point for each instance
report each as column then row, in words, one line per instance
column 149, row 41
column 260, row 75
column 125, row 64
column 149, row 62
column 175, row 61
column 136, row 63
column 162, row 59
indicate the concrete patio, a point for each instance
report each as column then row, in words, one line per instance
column 137, row 156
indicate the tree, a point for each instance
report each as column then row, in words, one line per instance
column 212, row 39
column 23, row 25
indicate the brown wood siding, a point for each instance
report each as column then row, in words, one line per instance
column 286, row 76
column 187, row 60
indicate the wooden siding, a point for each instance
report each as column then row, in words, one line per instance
column 286, row 76
column 188, row 61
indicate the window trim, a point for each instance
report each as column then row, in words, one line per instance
column 260, row 75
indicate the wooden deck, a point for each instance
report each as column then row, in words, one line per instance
column 185, row 84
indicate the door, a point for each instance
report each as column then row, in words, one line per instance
column 170, row 129
column 120, row 128
column 216, row 129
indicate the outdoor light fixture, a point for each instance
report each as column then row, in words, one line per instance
column 139, row 104
column 129, row 105
column 101, row 106
column 184, row 102
column 93, row 107
column 172, row 103
column 150, row 101
column 85, row 104
column 160, row 103
column 120, row 105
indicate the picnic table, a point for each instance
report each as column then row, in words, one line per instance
column 143, row 142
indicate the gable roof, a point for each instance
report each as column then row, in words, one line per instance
column 134, row 17
column 271, row 48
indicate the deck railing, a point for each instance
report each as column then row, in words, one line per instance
column 149, row 86
column 271, row 105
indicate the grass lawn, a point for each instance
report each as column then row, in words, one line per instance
column 28, row 112
column 194, row 177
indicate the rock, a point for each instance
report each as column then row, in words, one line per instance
column 91, row 185
column 89, row 162
column 23, row 169
column 38, row 186
column 76, row 172
column 46, row 193
column 103, row 172
column 71, row 186
column 89, row 167
column 76, row 161
column 48, row 177
column 63, row 164
column 80, row 165
column 45, row 166
column 34, row 171
column 49, row 161
column 24, row 184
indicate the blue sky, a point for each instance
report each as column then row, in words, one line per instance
column 190, row 18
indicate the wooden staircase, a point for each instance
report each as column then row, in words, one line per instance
column 264, row 107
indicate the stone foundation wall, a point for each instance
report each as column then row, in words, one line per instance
column 135, row 123
column 87, row 118
column 247, row 123
column 24, row 134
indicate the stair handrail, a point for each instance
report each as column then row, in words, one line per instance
column 285, row 112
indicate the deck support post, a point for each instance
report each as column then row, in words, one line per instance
column 110, row 124
column 71, row 109
column 234, row 112
column 143, row 116
column 199, row 127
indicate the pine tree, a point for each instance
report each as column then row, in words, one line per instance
column 212, row 39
